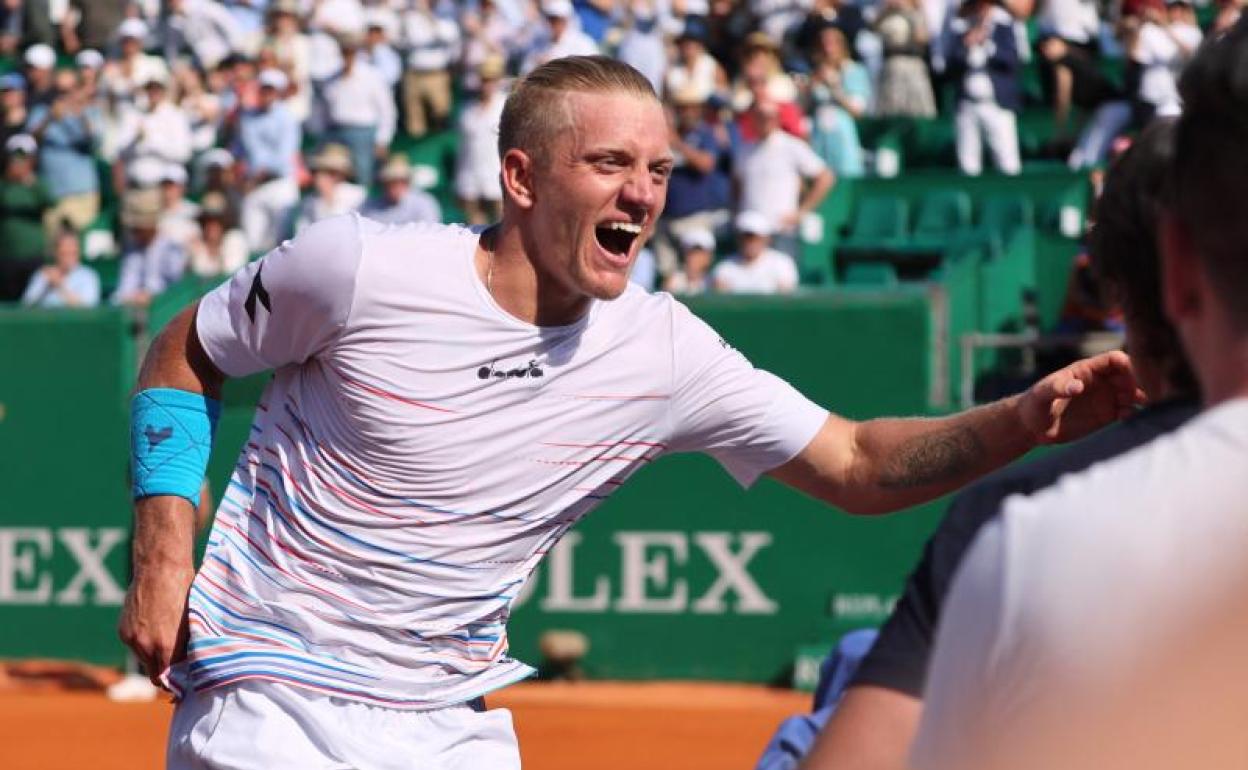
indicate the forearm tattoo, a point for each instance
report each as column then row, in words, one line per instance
column 934, row 458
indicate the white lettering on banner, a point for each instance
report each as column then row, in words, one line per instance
column 91, row 569
column 636, row 571
column 561, row 596
column 26, row 569
column 653, row 575
column 18, row 565
column 733, row 574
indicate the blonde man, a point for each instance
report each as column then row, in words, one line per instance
column 446, row 405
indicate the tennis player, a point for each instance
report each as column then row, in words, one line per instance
column 445, row 406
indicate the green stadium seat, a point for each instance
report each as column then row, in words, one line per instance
column 943, row 215
column 879, row 220
column 1001, row 214
column 876, row 275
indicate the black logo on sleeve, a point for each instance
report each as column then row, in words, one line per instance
column 157, row 437
column 531, row 369
column 258, row 292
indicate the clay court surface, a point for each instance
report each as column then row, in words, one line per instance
column 603, row 726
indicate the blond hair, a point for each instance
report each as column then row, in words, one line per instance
column 536, row 110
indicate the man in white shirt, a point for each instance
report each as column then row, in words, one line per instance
column 1074, row 595
column 772, row 172
column 161, row 131
column 360, row 109
column 563, row 37
column 446, row 405
column 431, row 42
column 476, row 163
column 755, row 268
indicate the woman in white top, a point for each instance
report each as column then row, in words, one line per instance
column 693, row 68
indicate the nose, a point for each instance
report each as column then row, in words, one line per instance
column 640, row 191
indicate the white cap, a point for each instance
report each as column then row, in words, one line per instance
column 698, row 238
column 132, row 28
column 41, row 56
column 89, row 59
column 145, row 172
column 753, row 222
column 23, row 143
column 218, row 157
column 173, row 172
column 274, row 78
column 560, row 9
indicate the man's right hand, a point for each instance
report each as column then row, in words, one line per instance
column 153, row 620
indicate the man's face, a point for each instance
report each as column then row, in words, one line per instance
column 599, row 192
column 268, row 95
column 67, row 252
column 766, row 118
column 752, row 246
column 558, row 25
column 395, row 189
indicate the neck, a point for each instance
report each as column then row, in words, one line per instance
column 506, row 266
column 1227, row 377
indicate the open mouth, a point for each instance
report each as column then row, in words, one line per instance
column 616, row 238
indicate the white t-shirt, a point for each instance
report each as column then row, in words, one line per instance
column 419, row 449
column 1160, row 59
column 478, row 167
column 772, row 272
column 1079, row 583
column 771, row 173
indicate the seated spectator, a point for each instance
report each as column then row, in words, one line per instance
column 150, row 263
column 24, row 201
column 218, row 174
column 1077, row 81
column 204, row 110
column 755, row 268
column 562, row 38
column 161, row 130
column 1156, row 53
column 840, row 90
column 13, row 113
column 695, row 71
column 267, row 146
column 377, row 50
column 203, row 30
column 217, row 248
column 845, row 16
column 359, row 108
column 905, row 86
column 642, row 45
column 68, row 130
column 179, row 217
column 763, row 79
column 697, row 248
column 430, row 41
column 771, row 174
column 399, row 201
column 66, row 282
column 126, row 76
column 40, row 62
column 984, row 64
column 699, row 191
column 90, row 65
column 331, row 193
column 293, row 51
column 477, row 166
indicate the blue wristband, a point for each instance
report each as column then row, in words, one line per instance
column 170, row 439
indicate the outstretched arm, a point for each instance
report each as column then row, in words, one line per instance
column 153, row 621
column 887, row 464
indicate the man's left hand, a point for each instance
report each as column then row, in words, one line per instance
column 1085, row 396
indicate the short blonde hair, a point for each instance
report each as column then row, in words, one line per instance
column 536, row 111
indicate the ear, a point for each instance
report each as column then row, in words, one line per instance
column 1180, row 271
column 518, row 177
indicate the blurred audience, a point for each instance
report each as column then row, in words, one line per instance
column 150, row 262
column 216, row 247
column 66, row 282
column 399, row 202
column 756, row 268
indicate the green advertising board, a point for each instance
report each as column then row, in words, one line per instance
column 681, row 575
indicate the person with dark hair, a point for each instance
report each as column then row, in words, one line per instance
column 985, row 65
column 876, row 719
column 1071, row 596
column 446, row 405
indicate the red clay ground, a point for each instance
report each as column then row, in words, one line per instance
column 603, row 726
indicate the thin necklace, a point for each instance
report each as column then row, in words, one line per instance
column 489, row 274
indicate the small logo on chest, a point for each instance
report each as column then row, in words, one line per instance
column 492, row 372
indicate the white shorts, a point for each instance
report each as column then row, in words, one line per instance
column 266, row 726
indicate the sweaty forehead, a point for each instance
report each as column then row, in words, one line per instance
column 618, row 121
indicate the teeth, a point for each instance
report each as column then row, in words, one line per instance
column 627, row 227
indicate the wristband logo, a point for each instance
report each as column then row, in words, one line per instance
column 156, row 437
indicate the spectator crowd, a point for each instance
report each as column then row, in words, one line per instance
column 191, row 135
